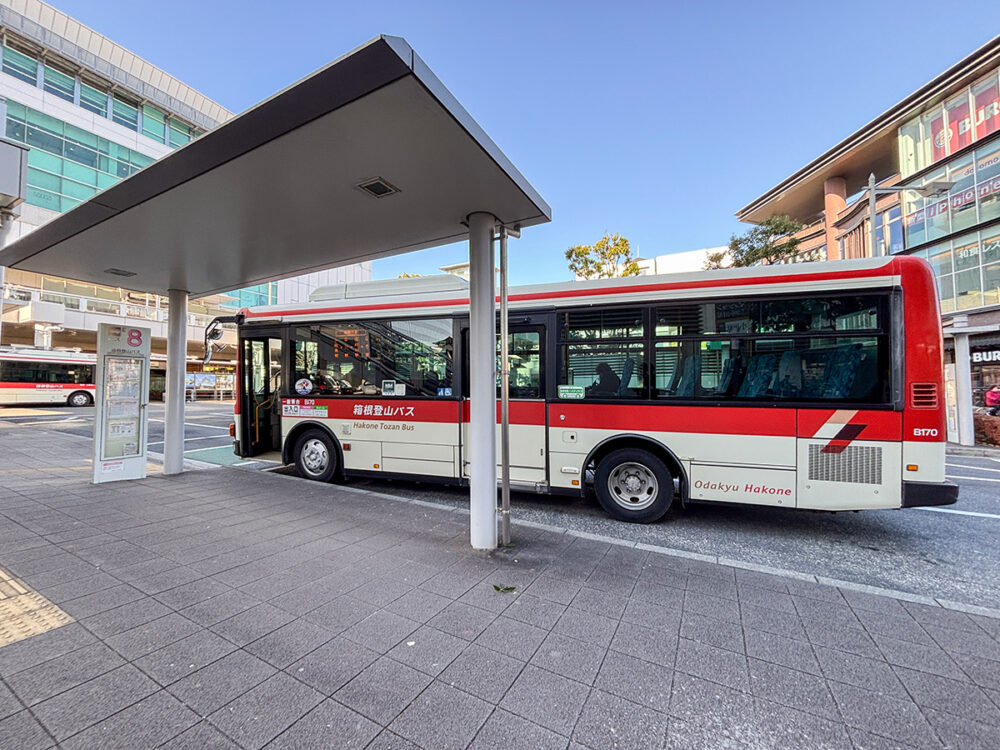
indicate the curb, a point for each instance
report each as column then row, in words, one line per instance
column 976, row 451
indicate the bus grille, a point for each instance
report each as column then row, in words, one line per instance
column 859, row 464
column 924, row 395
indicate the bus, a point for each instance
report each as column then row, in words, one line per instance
column 811, row 386
column 46, row 376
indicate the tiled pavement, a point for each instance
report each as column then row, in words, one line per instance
column 224, row 609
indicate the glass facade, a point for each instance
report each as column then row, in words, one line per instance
column 973, row 199
column 66, row 164
column 968, row 269
column 950, row 126
column 254, row 296
column 119, row 108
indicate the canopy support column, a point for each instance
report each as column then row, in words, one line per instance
column 482, row 383
column 173, row 429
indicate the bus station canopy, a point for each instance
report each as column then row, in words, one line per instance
column 277, row 191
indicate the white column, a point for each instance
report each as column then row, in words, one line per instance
column 173, row 429
column 963, row 390
column 482, row 384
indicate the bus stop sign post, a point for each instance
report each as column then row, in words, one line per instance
column 121, row 397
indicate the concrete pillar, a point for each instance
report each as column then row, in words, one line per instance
column 834, row 201
column 173, row 429
column 482, row 384
column 963, row 390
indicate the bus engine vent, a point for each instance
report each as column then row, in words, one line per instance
column 924, row 395
column 858, row 464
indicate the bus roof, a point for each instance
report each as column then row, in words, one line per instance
column 31, row 354
column 397, row 295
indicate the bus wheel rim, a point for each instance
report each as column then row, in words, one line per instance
column 78, row 399
column 633, row 485
column 315, row 456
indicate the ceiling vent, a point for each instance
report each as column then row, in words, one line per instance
column 378, row 187
column 119, row 272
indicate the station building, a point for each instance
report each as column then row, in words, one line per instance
column 945, row 136
column 92, row 113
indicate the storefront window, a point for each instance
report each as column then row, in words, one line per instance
column 909, row 148
column 986, row 102
column 914, row 219
column 960, row 129
column 894, row 229
column 968, row 289
column 988, row 181
column 946, row 290
column 991, row 283
column 969, row 116
column 934, row 136
column 962, row 196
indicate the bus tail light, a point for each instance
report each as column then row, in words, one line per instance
column 924, row 395
column 232, row 430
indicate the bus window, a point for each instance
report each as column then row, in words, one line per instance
column 604, row 351
column 524, row 350
column 360, row 358
column 850, row 369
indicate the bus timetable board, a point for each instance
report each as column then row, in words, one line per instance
column 122, row 396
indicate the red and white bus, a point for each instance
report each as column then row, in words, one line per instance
column 816, row 386
column 43, row 376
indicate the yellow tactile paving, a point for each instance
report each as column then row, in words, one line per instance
column 24, row 613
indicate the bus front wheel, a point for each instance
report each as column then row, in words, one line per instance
column 316, row 456
column 634, row 485
column 79, row 398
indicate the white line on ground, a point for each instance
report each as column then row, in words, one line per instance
column 959, row 512
column 976, row 479
column 193, row 424
column 199, row 450
column 49, row 421
column 203, row 437
column 973, row 468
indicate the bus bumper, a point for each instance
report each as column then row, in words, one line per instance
column 916, row 494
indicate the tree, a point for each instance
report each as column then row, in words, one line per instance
column 769, row 242
column 607, row 258
column 407, row 275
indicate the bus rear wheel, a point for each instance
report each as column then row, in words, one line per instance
column 634, row 485
column 316, row 456
column 79, row 398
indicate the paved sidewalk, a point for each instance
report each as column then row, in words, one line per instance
column 224, row 609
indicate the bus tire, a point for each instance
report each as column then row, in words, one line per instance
column 316, row 455
column 634, row 485
column 79, row 398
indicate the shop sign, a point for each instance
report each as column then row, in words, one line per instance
column 985, row 357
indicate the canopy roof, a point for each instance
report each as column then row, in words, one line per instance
column 275, row 191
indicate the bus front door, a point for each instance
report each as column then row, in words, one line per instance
column 260, row 396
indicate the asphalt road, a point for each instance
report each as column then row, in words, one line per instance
column 948, row 553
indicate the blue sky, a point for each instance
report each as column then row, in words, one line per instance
column 657, row 120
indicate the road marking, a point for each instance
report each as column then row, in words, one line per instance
column 199, row 450
column 975, row 479
column 49, row 421
column 959, row 512
column 203, row 437
column 193, row 424
column 973, row 468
